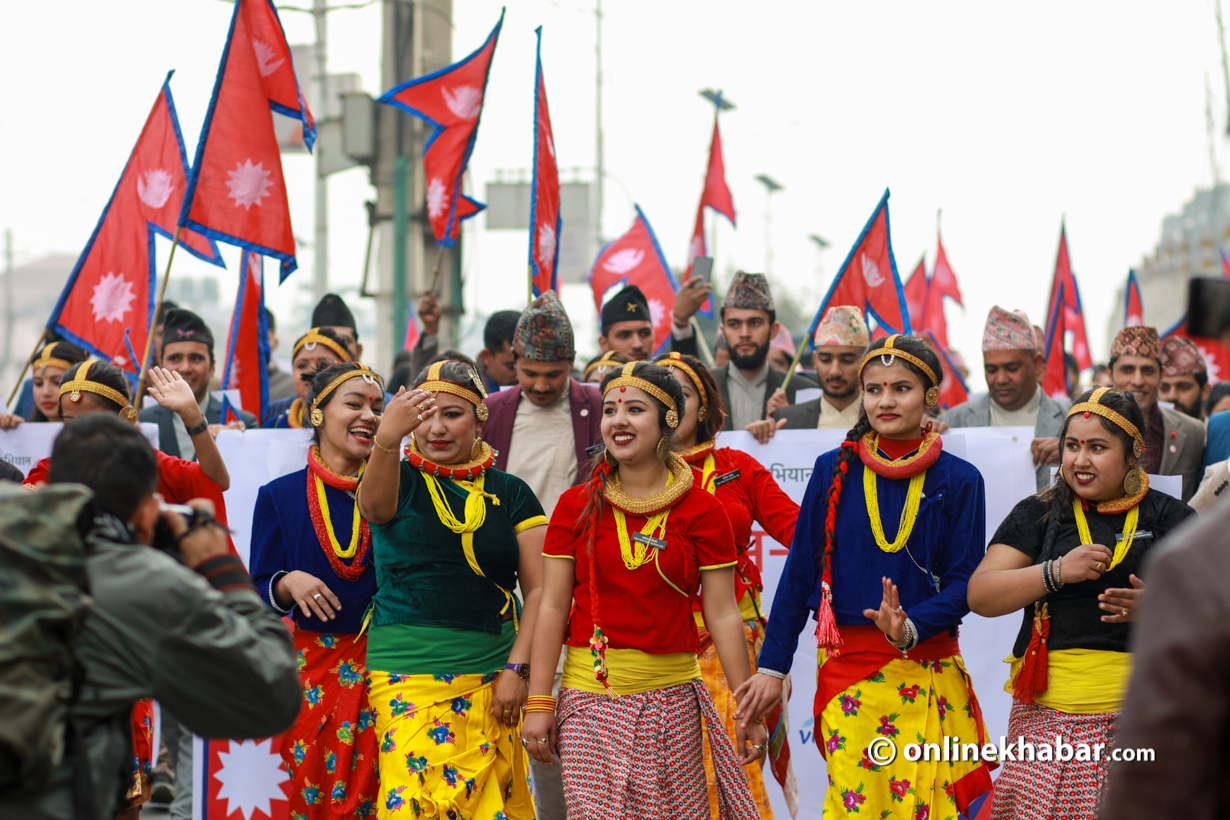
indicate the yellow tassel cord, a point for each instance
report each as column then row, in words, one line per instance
column 1129, row 532
column 324, row 513
column 909, row 513
column 707, row 475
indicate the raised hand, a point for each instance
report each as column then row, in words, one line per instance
column 890, row 617
column 403, row 415
column 171, row 391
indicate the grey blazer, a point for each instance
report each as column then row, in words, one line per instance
column 1182, row 449
column 776, row 377
column 803, row 416
column 977, row 413
column 161, row 416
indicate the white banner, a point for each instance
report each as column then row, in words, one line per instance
column 30, row 443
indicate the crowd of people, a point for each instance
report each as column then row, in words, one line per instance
column 519, row 568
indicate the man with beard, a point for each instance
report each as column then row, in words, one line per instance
column 748, row 382
column 839, row 342
column 1174, row 442
column 1185, row 376
column 1013, row 366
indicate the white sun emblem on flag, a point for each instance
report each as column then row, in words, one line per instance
column 437, row 199
column 657, row 311
column 155, row 187
column 233, row 372
column 465, row 101
column 623, row 261
column 248, row 183
column 546, row 245
column 250, row 777
column 264, row 57
column 113, row 298
column 1210, row 363
column 871, row 272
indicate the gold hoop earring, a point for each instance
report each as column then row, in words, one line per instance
column 609, row 458
column 664, row 448
column 1132, row 482
column 702, row 413
column 476, row 449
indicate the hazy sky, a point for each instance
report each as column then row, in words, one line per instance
column 1007, row 116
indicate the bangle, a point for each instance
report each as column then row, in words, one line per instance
column 1059, row 572
column 382, row 448
column 771, row 673
column 540, row 703
column 200, row 428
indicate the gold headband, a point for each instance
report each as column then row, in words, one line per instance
column 317, row 416
column 314, row 337
column 605, row 361
column 1094, row 406
column 889, row 352
column 675, row 360
column 81, row 384
column 45, row 359
column 626, row 379
column 435, row 384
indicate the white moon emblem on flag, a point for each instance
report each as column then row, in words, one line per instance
column 465, row 101
column 546, row 245
column 112, row 298
column 871, row 272
column 250, row 776
column 264, row 58
column 437, row 199
column 248, row 183
column 623, row 261
column 155, row 187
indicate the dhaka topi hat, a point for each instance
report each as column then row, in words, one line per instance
column 629, row 305
column 1137, row 341
column 1181, row 357
column 543, row 332
column 332, row 311
column 842, row 326
column 782, row 341
column 1008, row 330
column 749, row 291
column 180, row 325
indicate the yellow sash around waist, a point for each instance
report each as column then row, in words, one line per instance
column 747, row 610
column 1081, row 681
column 631, row 670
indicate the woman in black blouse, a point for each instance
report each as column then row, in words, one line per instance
column 1070, row 558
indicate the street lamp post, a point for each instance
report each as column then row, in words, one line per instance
column 771, row 187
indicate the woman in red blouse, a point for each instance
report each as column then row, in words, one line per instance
column 632, row 548
column 748, row 493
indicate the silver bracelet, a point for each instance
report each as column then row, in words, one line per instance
column 771, row 673
column 273, row 602
column 908, row 640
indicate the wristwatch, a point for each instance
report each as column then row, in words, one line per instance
column 200, row 428
column 522, row 669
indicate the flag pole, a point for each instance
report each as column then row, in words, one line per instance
column 702, row 344
column 798, row 355
column 529, row 289
column 21, row 377
column 153, row 322
column 435, row 277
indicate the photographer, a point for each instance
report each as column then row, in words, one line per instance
column 181, row 623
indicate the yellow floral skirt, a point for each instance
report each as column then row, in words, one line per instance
column 442, row 754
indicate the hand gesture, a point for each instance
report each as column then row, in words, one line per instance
column 766, row 429
column 1122, row 602
column 1085, row 563
column 215, row 429
column 429, row 313
column 404, row 414
column 689, row 298
column 9, row 421
column 1045, row 451
column 171, row 391
column 309, row 593
column 751, row 743
column 890, row 617
column 756, row 697
column 509, row 696
column 536, row 728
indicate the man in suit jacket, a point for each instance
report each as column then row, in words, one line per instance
column 1013, row 366
column 1174, row 441
column 187, row 349
column 838, row 345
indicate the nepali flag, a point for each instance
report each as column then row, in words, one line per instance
column 636, row 259
column 1225, row 262
column 1133, row 308
column 868, row 278
column 716, row 195
column 1216, row 359
column 244, row 779
column 247, row 346
column 451, row 102
column 915, row 290
column 1065, row 292
column 1055, row 381
column 953, row 390
column 943, row 284
column 412, row 328
column 237, row 192
column 544, row 193
column 108, row 302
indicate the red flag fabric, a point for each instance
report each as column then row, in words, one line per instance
column 1133, row 308
column 716, row 195
column 247, row 345
column 942, row 277
column 451, row 102
column 1055, row 382
column 108, row 301
column 868, row 278
column 1225, row 262
column 915, row 290
column 545, row 219
column 1065, row 291
column 636, row 259
column 1216, row 359
column 237, row 192
column 412, row 328
column 953, row 390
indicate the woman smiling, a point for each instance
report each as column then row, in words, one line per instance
column 311, row 559
column 46, row 371
column 1069, row 558
column 630, row 550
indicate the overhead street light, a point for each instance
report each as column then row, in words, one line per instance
column 718, row 99
column 771, row 187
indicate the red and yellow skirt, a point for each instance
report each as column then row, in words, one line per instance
column 331, row 751
column 142, row 753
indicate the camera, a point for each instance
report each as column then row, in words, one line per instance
column 193, row 518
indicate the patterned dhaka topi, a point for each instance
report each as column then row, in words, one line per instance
column 749, row 291
column 1007, row 330
column 1181, row 357
column 544, row 333
column 842, row 326
column 1137, row 341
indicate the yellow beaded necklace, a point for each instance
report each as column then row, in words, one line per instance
column 1129, row 531
column 909, row 513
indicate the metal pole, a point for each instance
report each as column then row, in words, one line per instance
column 320, row 278
column 401, row 167
column 601, row 168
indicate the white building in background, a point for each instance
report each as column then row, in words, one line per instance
column 1188, row 248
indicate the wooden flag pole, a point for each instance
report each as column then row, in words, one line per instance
column 21, row 377
column 435, row 277
column 798, row 355
column 139, row 399
column 529, row 290
column 702, row 344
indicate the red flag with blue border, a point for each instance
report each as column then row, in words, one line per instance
column 451, row 102
column 108, row 302
column 915, row 290
column 636, row 259
column 412, row 329
column 868, row 278
column 943, row 284
column 953, row 390
column 716, row 195
column 545, row 222
column 1055, row 381
column 1065, row 291
column 1216, row 359
column 1133, row 307
column 237, row 192
column 247, row 346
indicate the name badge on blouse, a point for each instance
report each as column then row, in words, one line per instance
column 726, row 478
column 595, row 449
column 649, row 540
column 1140, row 534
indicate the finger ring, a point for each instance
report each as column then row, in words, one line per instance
column 759, row 747
column 525, row 743
column 543, row 739
column 1098, row 566
column 1124, row 611
column 317, row 595
column 898, row 609
column 420, row 416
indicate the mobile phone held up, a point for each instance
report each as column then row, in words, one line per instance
column 702, row 271
column 1208, row 307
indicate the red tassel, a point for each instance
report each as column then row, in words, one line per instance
column 828, row 637
column 1032, row 677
